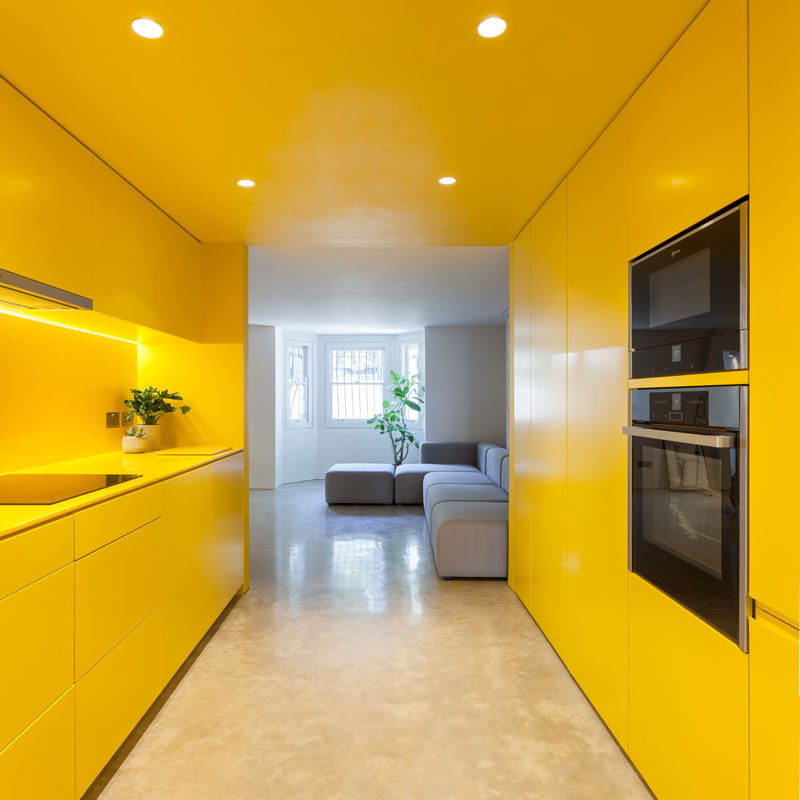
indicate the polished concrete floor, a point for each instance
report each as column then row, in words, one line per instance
column 350, row 670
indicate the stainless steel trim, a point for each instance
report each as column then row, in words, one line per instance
column 630, row 492
column 690, row 232
column 37, row 289
column 743, row 268
column 744, row 570
column 701, row 439
column 744, row 344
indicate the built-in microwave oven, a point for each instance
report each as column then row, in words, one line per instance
column 688, row 300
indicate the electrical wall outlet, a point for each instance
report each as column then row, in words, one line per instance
column 112, row 419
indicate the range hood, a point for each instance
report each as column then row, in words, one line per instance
column 21, row 292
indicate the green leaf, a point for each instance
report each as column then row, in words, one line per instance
column 413, row 405
column 386, row 404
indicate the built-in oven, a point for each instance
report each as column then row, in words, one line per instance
column 688, row 300
column 687, row 523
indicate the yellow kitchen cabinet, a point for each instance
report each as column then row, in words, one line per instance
column 548, row 414
column 114, row 695
column 774, row 289
column 105, row 522
column 188, row 610
column 116, row 587
column 30, row 555
column 688, row 129
column 519, row 546
column 45, row 197
column 227, row 558
column 40, row 763
column 37, row 632
column 774, row 710
column 688, row 702
column 595, row 512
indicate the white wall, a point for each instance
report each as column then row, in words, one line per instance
column 262, row 407
column 465, row 383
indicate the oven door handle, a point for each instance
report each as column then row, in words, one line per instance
column 720, row 441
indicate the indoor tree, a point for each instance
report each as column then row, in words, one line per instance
column 407, row 393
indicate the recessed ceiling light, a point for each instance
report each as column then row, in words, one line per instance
column 148, row 28
column 447, row 181
column 246, row 182
column 491, row 27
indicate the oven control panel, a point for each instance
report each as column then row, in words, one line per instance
column 679, row 408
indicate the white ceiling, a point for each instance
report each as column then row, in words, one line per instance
column 377, row 289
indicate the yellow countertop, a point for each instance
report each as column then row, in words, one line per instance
column 150, row 466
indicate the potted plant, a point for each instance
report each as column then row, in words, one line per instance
column 150, row 405
column 406, row 393
column 134, row 440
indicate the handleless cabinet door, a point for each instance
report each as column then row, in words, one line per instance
column 227, row 529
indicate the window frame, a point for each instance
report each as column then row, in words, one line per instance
column 417, row 424
column 330, row 422
column 289, row 423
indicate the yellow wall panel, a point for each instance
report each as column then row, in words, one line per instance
column 520, row 445
column 688, row 129
column 548, row 414
column 688, row 702
column 774, row 289
column 40, row 763
column 37, row 632
column 774, row 710
column 595, row 562
column 227, row 531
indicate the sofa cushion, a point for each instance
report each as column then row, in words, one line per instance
column 456, row 478
column 448, row 492
column 470, row 539
column 449, row 453
column 494, row 463
column 360, row 483
column 504, row 476
column 408, row 479
column 483, row 449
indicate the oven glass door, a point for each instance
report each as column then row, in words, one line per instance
column 685, row 526
column 689, row 289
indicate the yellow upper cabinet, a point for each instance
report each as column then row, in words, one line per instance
column 45, row 197
column 519, row 572
column 595, row 566
column 548, row 413
column 774, row 289
column 688, row 129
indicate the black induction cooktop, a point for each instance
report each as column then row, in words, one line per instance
column 39, row 489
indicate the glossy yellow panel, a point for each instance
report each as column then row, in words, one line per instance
column 548, row 415
column 40, row 763
column 732, row 378
column 112, row 697
column 37, row 631
column 688, row 129
column 688, row 702
column 31, row 555
column 595, row 562
column 186, row 524
column 774, row 710
column 45, row 195
column 116, row 587
column 227, row 530
column 774, row 289
column 101, row 524
column 519, row 548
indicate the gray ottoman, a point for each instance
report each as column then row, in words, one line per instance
column 408, row 480
column 360, row 483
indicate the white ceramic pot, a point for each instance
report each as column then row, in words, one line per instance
column 152, row 435
column 134, row 444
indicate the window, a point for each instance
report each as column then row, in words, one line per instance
column 356, row 377
column 410, row 366
column 298, row 385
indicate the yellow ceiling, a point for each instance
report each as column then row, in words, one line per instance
column 344, row 112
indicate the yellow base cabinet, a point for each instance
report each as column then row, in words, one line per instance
column 688, row 702
column 774, row 710
column 40, row 763
column 114, row 695
column 37, row 635
column 227, row 491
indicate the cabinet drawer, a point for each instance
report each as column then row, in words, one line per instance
column 30, row 555
column 40, row 762
column 116, row 587
column 107, row 521
column 113, row 696
column 36, row 631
